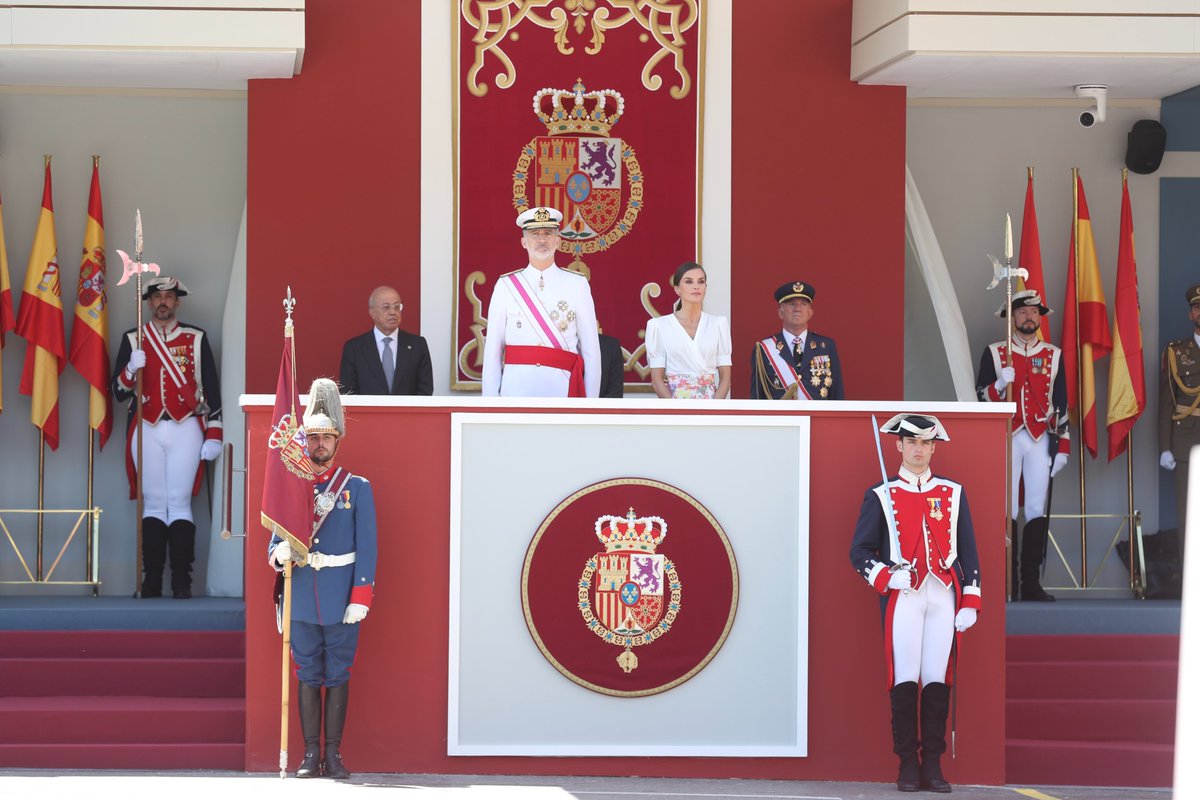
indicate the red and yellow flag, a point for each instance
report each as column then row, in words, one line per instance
column 40, row 322
column 89, row 329
column 6, row 304
column 1030, row 256
column 1126, row 370
column 1085, row 324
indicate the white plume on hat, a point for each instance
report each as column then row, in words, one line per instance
column 324, row 413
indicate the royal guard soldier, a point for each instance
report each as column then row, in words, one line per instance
column 1040, row 443
column 1179, row 407
column 796, row 363
column 181, row 427
column 915, row 545
column 542, row 337
column 332, row 589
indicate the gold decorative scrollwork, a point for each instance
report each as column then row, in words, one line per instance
column 665, row 20
column 633, row 359
column 470, row 357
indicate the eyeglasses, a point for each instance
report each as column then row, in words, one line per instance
column 386, row 307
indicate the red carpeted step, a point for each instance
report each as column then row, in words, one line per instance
column 1041, row 762
column 1146, row 679
column 121, row 720
column 1093, row 720
column 162, row 677
column 151, row 756
column 123, row 644
column 1083, row 648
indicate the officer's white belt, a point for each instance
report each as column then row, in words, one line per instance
column 323, row 560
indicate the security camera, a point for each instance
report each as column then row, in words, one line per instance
column 1098, row 93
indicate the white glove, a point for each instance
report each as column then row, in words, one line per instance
column 282, row 553
column 355, row 612
column 964, row 619
column 1060, row 461
column 137, row 360
column 900, row 579
column 210, row 449
column 1167, row 460
column 1007, row 375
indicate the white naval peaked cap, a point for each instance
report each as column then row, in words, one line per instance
column 324, row 413
column 539, row 217
column 919, row 426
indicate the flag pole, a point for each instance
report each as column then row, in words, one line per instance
column 285, row 662
column 1129, row 440
column 1079, row 387
column 41, row 497
column 91, row 464
column 137, row 420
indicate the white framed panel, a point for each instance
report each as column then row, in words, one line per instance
column 750, row 472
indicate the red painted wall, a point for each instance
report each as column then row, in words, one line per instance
column 333, row 184
column 818, row 190
column 397, row 719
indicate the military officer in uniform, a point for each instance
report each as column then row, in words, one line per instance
column 332, row 592
column 927, row 576
column 541, row 325
column 796, row 364
column 1179, row 407
column 1040, row 443
column 181, row 425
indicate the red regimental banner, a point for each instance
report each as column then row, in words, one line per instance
column 616, row 604
column 591, row 107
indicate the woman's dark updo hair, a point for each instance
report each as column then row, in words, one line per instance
column 683, row 269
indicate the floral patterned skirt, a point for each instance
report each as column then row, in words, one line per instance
column 692, row 387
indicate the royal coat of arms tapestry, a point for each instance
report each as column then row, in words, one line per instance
column 591, row 107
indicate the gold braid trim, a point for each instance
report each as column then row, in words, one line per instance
column 764, row 379
column 1187, row 391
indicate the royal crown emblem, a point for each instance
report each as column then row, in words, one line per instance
column 289, row 440
column 579, row 168
column 629, row 595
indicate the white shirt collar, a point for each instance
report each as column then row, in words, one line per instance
column 1196, row 336
column 379, row 338
column 791, row 338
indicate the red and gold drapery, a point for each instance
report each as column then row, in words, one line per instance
column 593, row 107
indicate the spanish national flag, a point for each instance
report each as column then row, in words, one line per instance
column 40, row 322
column 89, row 329
column 1126, row 371
column 1085, row 324
column 1030, row 256
column 6, row 304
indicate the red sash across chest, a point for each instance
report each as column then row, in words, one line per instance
column 925, row 524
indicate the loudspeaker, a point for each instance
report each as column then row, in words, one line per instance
column 1147, row 141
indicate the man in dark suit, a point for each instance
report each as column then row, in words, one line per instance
column 612, row 367
column 796, row 364
column 385, row 359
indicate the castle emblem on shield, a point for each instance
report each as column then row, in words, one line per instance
column 629, row 594
column 579, row 168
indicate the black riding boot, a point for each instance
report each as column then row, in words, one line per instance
column 1033, row 548
column 154, row 555
column 308, row 698
column 935, row 709
column 335, row 720
column 182, row 537
column 904, row 735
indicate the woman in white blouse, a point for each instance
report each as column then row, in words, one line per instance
column 689, row 352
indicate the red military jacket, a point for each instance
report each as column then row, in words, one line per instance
column 934, row 530
column 1039, row 387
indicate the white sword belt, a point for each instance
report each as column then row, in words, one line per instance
column 323, row 560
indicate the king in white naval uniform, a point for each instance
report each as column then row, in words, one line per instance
column 542, row 338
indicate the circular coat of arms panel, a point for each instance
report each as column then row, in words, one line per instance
column 629, row 587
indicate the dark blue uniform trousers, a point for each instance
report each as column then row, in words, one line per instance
column 323, row 654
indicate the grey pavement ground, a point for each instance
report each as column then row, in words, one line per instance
column 76, row 784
